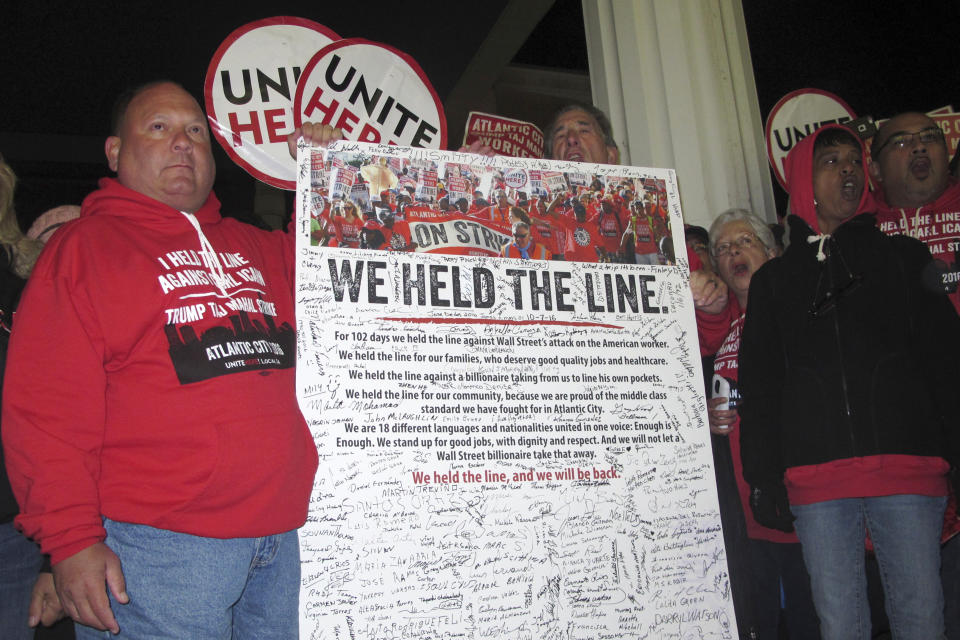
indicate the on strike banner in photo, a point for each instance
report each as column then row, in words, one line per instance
column 249, row 92
column 509, row 448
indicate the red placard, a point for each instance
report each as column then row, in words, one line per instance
column 506, row 136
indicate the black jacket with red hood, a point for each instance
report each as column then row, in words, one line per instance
column 847, row 365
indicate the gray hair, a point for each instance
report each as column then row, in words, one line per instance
column 760, row 228
column 516, row 226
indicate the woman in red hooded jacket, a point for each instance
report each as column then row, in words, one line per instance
column 847, row 377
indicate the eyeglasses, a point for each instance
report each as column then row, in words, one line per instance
column 521, row 236
column 747, row 241
column 904, row 139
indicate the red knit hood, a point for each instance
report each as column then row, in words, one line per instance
column 112, row 198
column 798, row 168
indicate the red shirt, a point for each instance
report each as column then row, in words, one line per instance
column 349, row 231
column 398, row 236
column 610, row 230
column 582, row 240
column 544, row 232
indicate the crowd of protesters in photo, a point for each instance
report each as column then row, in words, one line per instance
column 590, row 218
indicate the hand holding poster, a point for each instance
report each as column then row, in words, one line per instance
column 509, row 448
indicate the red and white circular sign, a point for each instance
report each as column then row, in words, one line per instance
column 797, row 115
column 249, row 92
column 374, row 93
column 515, row 178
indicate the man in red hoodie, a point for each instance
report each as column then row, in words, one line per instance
column 152, row 434
column 918, row 197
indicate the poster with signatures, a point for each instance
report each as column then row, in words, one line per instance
column 510, row 447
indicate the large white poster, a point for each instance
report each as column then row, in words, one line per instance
column 509, row 448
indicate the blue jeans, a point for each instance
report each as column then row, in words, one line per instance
column 905, row 530
column 20, row 561
column 184, row 586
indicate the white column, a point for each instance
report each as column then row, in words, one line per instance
column 676, row 80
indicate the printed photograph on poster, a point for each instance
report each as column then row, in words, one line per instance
column 392, row 203
column 510, row 448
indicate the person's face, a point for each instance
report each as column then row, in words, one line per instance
column 911, row 173
column 577, row 137
column 740, row 254
column 163, row 150
column 502, row 199
column 522, row 237
column 837, row 184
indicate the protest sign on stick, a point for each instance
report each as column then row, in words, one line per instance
column 505, row 136
column 249, row 91
column 372, row 92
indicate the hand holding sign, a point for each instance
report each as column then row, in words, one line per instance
column 317, row 135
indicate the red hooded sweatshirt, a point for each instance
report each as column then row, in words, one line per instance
column 154, row 356
column 798, row 169
column 936, row 224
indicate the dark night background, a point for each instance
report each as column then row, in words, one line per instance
column 65, row 62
